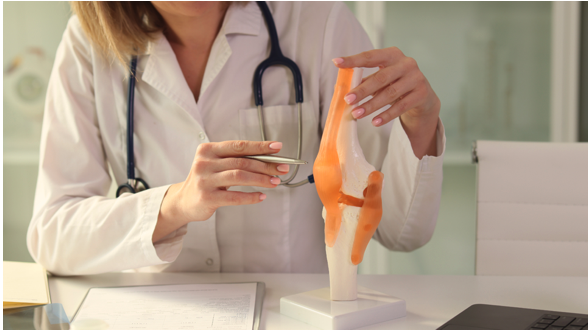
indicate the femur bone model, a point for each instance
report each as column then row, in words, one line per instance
column 350, row 189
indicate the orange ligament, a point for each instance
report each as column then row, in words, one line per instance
column 349, row 200
column 326, row 170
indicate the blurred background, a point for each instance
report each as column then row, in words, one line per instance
column 493, row 65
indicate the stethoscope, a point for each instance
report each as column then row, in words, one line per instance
column 136, row 184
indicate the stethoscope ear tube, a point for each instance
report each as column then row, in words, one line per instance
column 275, row 58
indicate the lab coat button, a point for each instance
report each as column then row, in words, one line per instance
column 209, row 261
column 202, row 136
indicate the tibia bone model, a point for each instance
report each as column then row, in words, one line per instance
column 350, row 189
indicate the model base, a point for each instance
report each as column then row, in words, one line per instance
column 317, row 309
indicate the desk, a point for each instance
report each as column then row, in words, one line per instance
column 430, row 300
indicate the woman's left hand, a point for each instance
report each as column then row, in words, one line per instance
column 399, row 83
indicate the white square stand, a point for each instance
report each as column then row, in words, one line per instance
column 317, row 309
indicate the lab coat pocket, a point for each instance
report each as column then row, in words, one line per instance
column 281, row 124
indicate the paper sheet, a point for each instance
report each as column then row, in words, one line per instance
column 193, row 306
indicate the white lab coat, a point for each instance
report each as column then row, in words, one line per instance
column 75, row 229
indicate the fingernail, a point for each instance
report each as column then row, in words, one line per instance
column 283, row 168
column 350, row 98
column 358, row 112
column 275, row 180
column 338, row 60
column 275, row 145
column 262, row 196
column 377, row 121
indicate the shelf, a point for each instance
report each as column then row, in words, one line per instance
column 457, row 158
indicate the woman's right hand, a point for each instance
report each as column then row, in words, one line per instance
column 216, row 167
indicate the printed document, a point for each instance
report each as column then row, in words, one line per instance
column 192, row 306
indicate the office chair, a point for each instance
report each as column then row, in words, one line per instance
column 532, row 208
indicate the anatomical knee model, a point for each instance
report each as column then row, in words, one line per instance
column 350, row 189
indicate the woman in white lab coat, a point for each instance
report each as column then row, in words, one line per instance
column 194, row 116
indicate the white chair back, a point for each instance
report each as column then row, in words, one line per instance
column 532, row 216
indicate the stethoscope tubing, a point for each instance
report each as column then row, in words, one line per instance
column 133, row 185
column 131, row 120
column 276, row 57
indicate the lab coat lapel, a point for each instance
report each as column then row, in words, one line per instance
column 163, row 73
column 239, row 19
column 219, row 54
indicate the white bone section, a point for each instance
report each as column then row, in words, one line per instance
column 355, row 171
column 354, row 167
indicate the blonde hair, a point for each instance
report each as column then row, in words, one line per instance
column 123, row 28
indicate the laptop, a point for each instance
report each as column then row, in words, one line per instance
column 490, row 317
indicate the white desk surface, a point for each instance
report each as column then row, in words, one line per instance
column 430, row 300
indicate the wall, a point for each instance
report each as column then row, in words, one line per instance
column 30, row 28
column 489, row 63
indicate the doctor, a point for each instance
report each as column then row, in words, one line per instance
column 207, row 209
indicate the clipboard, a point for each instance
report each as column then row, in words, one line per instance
column 193, row 308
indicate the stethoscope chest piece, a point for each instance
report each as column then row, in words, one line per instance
column 132, row 186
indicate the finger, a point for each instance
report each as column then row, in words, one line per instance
column 370, row 59
column 408, row 102
column 240, row 148
column 370, row 76
column 234, row 198
column 385, row 96
column 366, row 78
column 244, row 178
column 250, row 165
column 376, row 82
